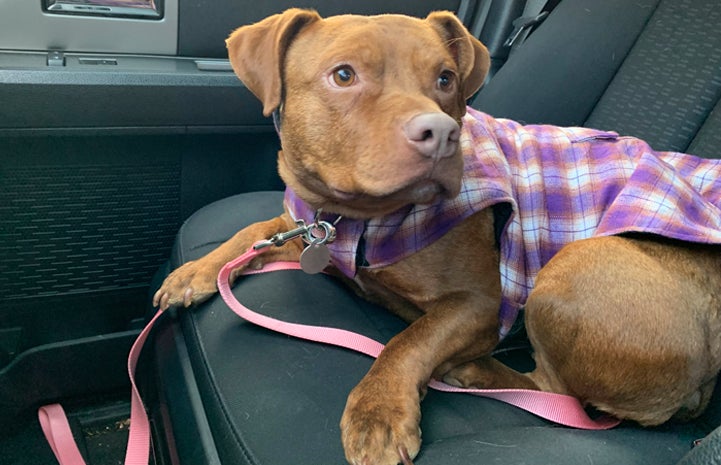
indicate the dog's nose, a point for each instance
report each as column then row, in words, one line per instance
column 434, row 135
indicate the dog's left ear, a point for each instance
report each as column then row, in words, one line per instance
column 470, row 54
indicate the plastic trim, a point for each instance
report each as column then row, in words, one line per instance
column 135, row 92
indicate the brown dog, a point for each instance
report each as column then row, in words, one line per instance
column 372, row 109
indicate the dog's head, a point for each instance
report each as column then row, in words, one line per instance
column 371, row 107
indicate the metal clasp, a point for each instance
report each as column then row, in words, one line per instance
column 317, row 233
column 281, row 238
column 320, row 232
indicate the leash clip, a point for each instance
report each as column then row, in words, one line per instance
column 281, row 238
column 319, row 232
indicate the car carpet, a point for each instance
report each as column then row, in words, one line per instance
column 100, row 427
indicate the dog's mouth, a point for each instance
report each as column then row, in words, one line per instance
column 422, row 192
column 360, row 204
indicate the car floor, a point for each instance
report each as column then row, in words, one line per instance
column 101, row 424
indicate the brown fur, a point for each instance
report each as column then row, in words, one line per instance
column 628, row 325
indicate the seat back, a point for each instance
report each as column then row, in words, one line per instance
column 657, row 76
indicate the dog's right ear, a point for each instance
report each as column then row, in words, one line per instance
column 257, row 53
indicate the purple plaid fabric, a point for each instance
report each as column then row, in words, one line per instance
column 563, row 184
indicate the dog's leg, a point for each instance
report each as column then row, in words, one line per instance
column 485, row 373
column 195, row 281
column 458, row 322
column 630, row 326
column 382, row 414
column 697, row 402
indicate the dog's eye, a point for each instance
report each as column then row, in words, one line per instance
column 445, row 80
column 344, row 76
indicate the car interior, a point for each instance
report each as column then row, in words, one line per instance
column 128, row 147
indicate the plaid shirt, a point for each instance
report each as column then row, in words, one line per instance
column 563, row 185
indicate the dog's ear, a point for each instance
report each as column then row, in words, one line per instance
column 257, row 53
column 470, row 54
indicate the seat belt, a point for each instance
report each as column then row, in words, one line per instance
column 535, row 12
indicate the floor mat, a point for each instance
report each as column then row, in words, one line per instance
column 104, row 431
column 100, row 429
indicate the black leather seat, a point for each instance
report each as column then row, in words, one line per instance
column 229, row 392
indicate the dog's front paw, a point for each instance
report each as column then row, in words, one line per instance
column 192, row 283
column 380, row 424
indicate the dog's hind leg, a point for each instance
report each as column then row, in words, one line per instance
column 487, row 373
column 628, row 325
column 696, row 402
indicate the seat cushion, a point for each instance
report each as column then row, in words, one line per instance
column 563, row 69
column 266, row 398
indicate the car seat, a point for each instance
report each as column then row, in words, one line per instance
column 226, row 391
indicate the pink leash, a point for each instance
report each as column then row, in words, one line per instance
column 561, row 409
column 56, row 428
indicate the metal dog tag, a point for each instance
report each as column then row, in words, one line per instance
column 315, row 258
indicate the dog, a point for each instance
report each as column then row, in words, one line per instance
column 453, row 220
